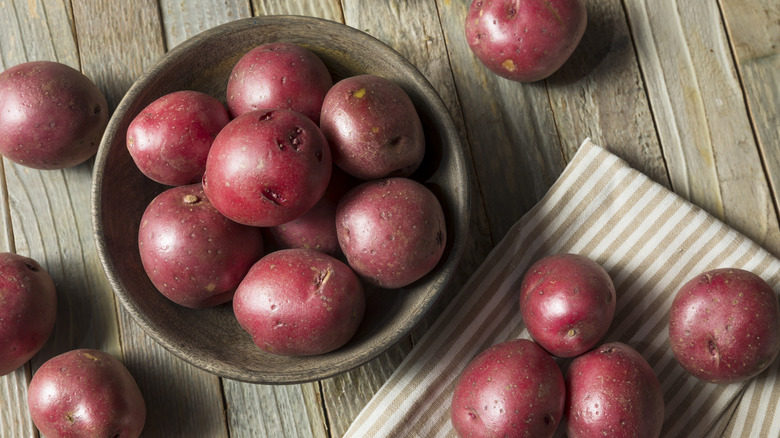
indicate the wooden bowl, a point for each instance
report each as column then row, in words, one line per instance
column 211, row 339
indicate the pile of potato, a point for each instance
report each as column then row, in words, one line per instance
column 287, row 198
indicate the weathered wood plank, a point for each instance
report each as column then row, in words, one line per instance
column 182, row 20
column 700, row 114
column 599, row 94
column 327, row 9
column 754, row 31
column 118, row 41
column 274, row 411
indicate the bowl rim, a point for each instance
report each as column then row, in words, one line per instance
column 451, row 136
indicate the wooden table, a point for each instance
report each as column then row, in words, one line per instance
column 686, row 91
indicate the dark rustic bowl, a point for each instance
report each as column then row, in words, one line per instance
column 211, row 338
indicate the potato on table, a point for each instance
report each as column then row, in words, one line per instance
column 28, row 309
column 525, row 41
column 51, row 115
column 86, row 393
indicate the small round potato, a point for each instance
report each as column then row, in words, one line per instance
column 169, row 140
column 373, row 128
column 86, row 393
column 525, row 41
column 392, row 231
column 194, row 255
column 28, row 309
column 278, row 75
column 567, row 302
column 51, row 115
column 724, row 325
column 299, row 302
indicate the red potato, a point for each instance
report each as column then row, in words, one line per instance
column 392, row 231
column 28, row 310
column 267, row 167
column 315, row 229
column 512, row 389
column 51, row 115
column 278, row 75
column 568, row 303
column 373, row 128
column 86, row 393
column 170, row 139
column 612, row 391
column 299, row 302
column 724, row 325
column 193, row 254
column 525, row 41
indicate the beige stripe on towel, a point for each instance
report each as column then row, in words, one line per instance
column 650, row 241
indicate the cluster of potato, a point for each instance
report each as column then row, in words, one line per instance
column 724, row 327
column 287, row 198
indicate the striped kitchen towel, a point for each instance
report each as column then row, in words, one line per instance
column 650, row 241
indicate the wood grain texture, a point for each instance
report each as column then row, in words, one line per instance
column 327, row 9
column 182, row 20
column 754, row 32
column 599, row 94
column 173, row 390
column 273, row 410
column 700, row 114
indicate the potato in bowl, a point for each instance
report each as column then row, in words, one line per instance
column 212, row 339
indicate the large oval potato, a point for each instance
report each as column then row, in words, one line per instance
column 392, row 231
column 372, row 127
column 278, row 75
column 51, row 115
column 724, row 325
column 28, row 309
column 512, row 389
column 267, row 167
column 296, row 302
